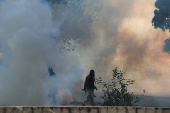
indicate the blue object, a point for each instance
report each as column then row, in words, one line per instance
column 50, row 70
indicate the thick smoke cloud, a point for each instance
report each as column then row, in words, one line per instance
column 26, row 36
column 91, row 26
column 76, row 17
column 106, row 36
column 124, row 37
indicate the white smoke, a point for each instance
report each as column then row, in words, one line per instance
column 26, row 32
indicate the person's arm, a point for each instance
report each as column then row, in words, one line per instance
column 95, row 87
column 85, row 83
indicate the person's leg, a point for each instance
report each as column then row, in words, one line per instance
column 54, row 99
column 85, row 102
column 88, row 98
column 91, row 95
column 92, row 102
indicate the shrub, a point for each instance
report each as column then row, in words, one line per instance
column 116, row 93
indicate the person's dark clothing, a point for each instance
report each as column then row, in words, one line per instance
column 50, row 70
column 89, row 87
column 89, row 82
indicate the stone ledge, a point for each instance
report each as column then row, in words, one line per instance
column 81, row 109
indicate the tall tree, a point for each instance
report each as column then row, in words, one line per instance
column 161, row 17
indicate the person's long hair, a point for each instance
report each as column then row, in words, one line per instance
column 92, row 74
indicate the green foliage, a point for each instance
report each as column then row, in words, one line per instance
column 86, row 93
column 116, row 93
column 162, row 15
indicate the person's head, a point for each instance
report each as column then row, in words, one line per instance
column 92, row 73
column 50, row 69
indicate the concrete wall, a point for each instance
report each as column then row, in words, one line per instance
column 80, row 109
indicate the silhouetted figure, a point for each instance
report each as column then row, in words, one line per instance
column 52, row 74
column 89, row 87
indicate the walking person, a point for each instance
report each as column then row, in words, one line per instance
column 89, row 87
column 52, row 90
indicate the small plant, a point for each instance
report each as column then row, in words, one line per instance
column 116, row 93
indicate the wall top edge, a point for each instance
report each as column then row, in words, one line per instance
column 129, row 107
